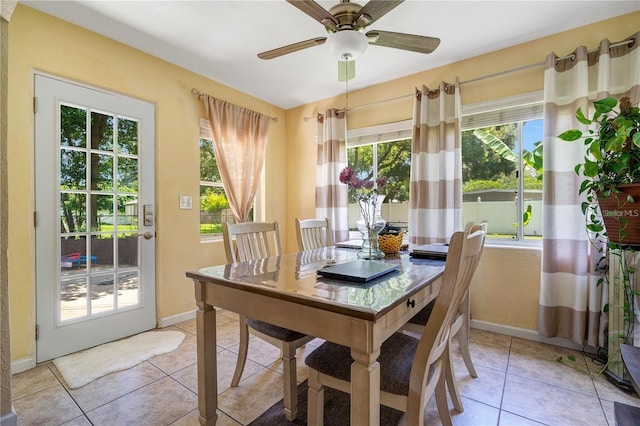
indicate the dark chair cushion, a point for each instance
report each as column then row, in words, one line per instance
column 422, row 317
column 396, row 359
column 274, row 331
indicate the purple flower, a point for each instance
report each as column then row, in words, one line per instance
column 362, row 188
column 347, row 175
column 382, row 182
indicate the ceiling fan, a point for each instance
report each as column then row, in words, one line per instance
column 345, row 22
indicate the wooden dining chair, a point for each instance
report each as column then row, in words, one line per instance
column 313, row 233
column 459, row 328
column 251, row 241
column 411, row 369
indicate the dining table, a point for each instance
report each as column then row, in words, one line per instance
column 287, row 291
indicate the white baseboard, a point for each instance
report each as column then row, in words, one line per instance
column 175, row 319
column 9, row 419
column 22, row 365
column 526, row 334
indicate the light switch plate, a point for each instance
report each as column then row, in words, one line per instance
column 185, row 202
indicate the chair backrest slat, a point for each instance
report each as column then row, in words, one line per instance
column 464, row 250
column 482, row 226
column 313, row 233
column 251, row 240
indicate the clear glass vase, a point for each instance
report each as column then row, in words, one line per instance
column 370, row 223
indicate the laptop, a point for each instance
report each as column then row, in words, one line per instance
column 359, row 270
column 430, row 251
column 354, row 244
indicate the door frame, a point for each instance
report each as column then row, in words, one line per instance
column 104, row 328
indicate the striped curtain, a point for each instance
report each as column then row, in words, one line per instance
column 331, row 194
column 435, row 206
column 571, row 302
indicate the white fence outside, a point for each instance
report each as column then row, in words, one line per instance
column 501, row 215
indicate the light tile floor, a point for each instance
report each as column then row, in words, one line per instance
column 519, row 383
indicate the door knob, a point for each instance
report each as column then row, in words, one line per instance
column 147, row 235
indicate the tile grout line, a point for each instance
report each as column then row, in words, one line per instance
column 188, row 390
column 504, row 383
column 26, row 395
column 126, row 394
column 569, row 389
column 512, row 350
column 84, row 414
column 604, row 412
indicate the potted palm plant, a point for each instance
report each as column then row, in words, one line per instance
column 611, row 172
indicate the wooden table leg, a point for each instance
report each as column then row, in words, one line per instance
column 365, row 388
column 207, row 360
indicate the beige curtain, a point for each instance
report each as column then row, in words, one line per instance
column 240, row 141
column 331, row 194
column 435, row 206
column 571, row 302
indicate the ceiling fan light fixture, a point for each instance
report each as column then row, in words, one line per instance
column 347, row 45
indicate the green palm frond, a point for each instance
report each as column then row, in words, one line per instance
column 495, row 144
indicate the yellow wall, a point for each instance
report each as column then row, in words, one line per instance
column 39, row 42
column 42, row 43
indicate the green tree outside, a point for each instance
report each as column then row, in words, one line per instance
column 394, row 163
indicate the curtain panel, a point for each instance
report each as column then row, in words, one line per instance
column 240, row 140
column 571, row 302
column 331, row 194
column 435, row 206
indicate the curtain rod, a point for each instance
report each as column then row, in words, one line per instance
column 199, row 94
column 484, row 77
column 383, row 101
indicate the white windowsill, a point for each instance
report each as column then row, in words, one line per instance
column 210, row 238
column 511, row 244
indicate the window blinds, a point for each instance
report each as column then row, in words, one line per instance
column 376, row 134
column 524, row 107
column 503, row 116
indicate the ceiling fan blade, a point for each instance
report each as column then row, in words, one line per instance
column 270, row 54
column 412, row 42
column 317, row 12
column 373, row 11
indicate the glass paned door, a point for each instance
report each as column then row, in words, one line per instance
column 94, row 177
column 101, row 149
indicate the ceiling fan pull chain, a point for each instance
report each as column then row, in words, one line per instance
column 346, row 95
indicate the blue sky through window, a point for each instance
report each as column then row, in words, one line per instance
column 531, row 133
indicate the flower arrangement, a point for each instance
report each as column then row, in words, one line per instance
column 363, row 189
column 366, row 192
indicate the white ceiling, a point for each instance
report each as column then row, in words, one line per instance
column 220, row 39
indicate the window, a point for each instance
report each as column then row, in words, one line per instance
column 383, row 151
column 214, row 206
column 502, row 167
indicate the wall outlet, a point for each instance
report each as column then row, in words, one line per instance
column 185, row 202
